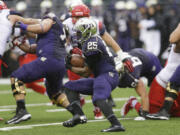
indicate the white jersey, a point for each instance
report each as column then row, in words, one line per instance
column 165, row 74
column 6, row 29
column 69, row 23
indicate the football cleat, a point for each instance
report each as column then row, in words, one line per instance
column 115, row 128
column 161, row 115
column 21, row 115
column 77, row 119
column 98, row 114
column 127, row 106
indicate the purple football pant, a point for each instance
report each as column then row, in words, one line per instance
column 51, row 69
column 99, row 87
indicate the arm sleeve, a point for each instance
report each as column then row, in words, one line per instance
column 12, row 12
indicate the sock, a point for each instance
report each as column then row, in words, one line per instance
column 113, row 120
column 36, row 87
column 137, row 106
column 167, row 105
column 75, row 108
column 20, row 104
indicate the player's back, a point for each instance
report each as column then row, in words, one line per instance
column 146, row 58
column 52, row 42
column 98, row 55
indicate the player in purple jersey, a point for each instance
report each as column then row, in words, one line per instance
column 145, row 65
column 49, row 64
column 100, row 61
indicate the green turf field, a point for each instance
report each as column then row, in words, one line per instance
column 46, row 119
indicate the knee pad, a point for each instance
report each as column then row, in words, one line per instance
column 16, row 88
column 60, row 99
column 172, row 90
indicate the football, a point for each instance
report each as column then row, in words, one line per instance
column 77, row 60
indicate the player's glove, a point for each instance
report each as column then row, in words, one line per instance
column 68, row 62
column 21, row 25
column 125, row 58
column 118, row 64
column 76, row 50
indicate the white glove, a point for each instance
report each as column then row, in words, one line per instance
column 119, row 66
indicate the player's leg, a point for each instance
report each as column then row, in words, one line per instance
column 171, row 94
column 103, row 85
column 73, row 88
column 26, row 73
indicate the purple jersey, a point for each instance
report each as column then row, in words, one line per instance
column 98, row 56
column 145, row 64
column 55, row 49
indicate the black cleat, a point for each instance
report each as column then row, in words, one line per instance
column 162, row 115
column 21, row 115
column 115, row 128
column 77, row 119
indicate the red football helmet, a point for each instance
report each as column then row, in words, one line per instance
column 3, row 5
column 80, row 11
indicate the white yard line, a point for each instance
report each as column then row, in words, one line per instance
column 63, row 110
column 10, row 92
column 50, row 104
column 47, row 124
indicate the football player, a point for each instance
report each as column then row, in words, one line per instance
column 164, row 92
column 80, row 11
column 7, row 19
column 145, row 65
column 50, row 51
column 100, row 61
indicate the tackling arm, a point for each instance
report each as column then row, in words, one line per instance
column 16, row 18
column 42, row 27
column 141, row 91
column 111, row 42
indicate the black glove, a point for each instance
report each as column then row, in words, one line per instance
column 68, row 62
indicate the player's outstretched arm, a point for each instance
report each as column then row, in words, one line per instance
column 16, row 18
column 141, row 91
column 43, row 27
column 111, row 42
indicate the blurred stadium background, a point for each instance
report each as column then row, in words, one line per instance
column 132, row 23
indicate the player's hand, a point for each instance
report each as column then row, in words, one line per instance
column 118, row 64
column 76, row 50
column 17, row 41
column 21, row 25
column 128, row 64
column 125, row 58
column 68, row 62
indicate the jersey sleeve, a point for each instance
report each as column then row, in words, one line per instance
column 102, row 28
column 12, row 12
